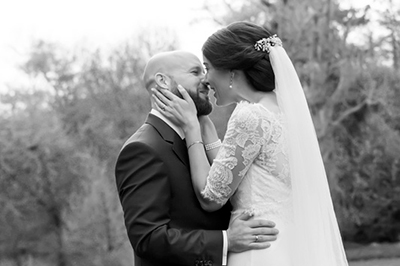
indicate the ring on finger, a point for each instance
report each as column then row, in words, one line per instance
column 257, row 238
column 163, row 107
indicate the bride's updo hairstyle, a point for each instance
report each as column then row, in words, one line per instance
column 232, row 48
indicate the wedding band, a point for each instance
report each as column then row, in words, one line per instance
column 163, row 108
column 256, row 238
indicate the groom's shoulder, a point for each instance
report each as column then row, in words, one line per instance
column 145, row 134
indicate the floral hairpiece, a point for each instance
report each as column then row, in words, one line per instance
column 265, row 43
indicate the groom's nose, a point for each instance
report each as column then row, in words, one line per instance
column 203, row 76
column 205, row 83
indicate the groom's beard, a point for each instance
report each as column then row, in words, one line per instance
column 203, row 106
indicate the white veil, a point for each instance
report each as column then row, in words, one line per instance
column 316, row 233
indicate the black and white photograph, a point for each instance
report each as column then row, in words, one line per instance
column 200, row 133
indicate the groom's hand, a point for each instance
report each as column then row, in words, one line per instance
column 245, row 233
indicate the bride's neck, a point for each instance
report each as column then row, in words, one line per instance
column 267, row 99
column 259, row 96
column 246, row 92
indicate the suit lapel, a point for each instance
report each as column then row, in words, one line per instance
column 180, row 150
column 169, row 135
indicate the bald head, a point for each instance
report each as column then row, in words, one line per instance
column 167, row 63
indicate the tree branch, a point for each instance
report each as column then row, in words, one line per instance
column 349, row 112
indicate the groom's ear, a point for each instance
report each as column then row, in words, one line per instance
column 162, row 80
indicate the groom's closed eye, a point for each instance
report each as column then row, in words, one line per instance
column 197, row 71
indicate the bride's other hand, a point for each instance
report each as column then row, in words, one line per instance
column 181, row 112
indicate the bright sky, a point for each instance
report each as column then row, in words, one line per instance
column 95, row 23
column 91, row 23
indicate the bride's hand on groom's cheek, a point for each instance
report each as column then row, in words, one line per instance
column 178, row 110
column 245, row 233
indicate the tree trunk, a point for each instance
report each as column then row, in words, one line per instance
column 395, row 51
column 107, row 223
column 61, row 258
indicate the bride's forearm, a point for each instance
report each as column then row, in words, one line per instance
column 210, row 137
column 199, row 167
column 208, row 130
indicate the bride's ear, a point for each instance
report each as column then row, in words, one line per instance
column 162, row 80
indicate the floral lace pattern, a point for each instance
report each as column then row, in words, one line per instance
column 251, row 164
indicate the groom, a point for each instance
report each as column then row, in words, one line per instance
column 165, row 223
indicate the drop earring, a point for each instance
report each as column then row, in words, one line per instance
column 231, row 82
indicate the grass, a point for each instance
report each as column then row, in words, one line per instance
column 376, row 262
column 356, row 252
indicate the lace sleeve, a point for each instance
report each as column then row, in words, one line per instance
column 245, row 136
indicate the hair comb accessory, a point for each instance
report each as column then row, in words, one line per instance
column 266, row 43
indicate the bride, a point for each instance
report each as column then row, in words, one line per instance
column 269, row 163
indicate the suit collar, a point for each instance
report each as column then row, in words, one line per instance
column 166, row 132
column 169, row 135
column 177, row 129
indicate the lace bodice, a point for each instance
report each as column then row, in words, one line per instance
column 251, row 167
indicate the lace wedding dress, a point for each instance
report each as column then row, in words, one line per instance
column 252, row 169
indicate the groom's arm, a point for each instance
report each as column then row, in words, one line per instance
column 143, row 187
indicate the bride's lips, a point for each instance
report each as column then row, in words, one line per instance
column 213, row 89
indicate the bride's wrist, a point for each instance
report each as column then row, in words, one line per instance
column 193, row 126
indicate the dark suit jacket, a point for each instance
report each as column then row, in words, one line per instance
column 166, row 225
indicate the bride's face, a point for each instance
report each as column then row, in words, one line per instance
column 219, row 81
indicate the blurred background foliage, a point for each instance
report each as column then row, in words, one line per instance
column 60, row 137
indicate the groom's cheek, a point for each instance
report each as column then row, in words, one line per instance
column 174, row 89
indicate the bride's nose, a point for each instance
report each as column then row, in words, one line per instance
column 205, row 79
